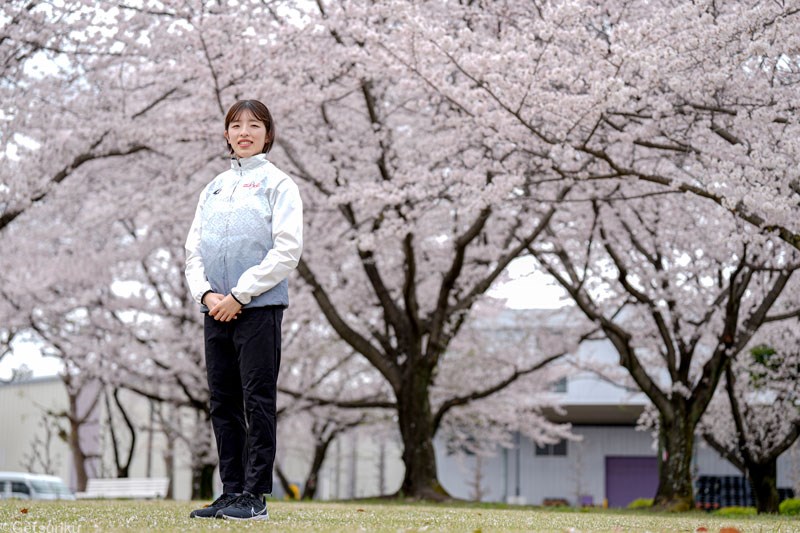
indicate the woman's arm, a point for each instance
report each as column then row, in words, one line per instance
column 195, row 270
column 287, row 245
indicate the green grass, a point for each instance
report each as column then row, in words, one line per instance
column 63, row 517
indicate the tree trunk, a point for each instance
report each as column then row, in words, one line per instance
column 78, row 456
column 169, row 466
column 284, row 481
column 675, row 492
column 764, row 482
column 310, row 488
column 312, row 480
column 202, row 482
column 416, row 429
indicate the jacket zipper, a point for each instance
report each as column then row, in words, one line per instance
column 227, row 225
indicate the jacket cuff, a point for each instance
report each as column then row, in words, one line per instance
column 204, row 289
column 204, row 295
column 240, row 299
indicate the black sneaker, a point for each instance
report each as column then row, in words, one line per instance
column 246, row 507
column 225, row 499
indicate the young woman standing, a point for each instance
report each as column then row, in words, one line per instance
column 246, row 238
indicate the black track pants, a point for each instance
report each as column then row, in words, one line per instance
column 242, row 361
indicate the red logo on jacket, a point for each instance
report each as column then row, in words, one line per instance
column 252, row 185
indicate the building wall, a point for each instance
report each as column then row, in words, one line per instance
column 579, row 473
column 361, row 465
column 21, row 409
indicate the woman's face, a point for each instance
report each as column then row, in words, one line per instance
column 246, row 135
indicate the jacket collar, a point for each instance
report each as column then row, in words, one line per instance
column 248, row 163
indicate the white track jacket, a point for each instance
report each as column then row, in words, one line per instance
column 247, row 234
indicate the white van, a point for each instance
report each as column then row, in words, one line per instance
column 33, row 487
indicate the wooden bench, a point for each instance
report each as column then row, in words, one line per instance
column 132, row 487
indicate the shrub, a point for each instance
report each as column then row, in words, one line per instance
column 790, row 506
column 641, row 503
column 736, row 511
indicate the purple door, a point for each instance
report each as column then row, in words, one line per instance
column 629, row 478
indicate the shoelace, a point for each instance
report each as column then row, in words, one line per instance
column 248, row 501
column 225, row 500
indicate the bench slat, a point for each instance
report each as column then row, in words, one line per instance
column 125, row 488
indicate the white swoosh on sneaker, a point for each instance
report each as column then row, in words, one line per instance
column 263, row 515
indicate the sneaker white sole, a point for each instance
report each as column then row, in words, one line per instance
column 256, row 517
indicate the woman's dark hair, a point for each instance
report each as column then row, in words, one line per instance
column 260, row 111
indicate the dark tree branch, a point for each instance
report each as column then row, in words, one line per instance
column 8, row 216
column 440, row 312
column 410, row 286
column 714, row 367
column 488, row 391
column 362, row 403
column 620, row 338
column 131, row 428
column 523, row 243
column 385, row 366
column 729, row 455
column 641, row 297
column 782, row 316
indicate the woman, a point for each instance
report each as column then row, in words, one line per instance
column 246, row 238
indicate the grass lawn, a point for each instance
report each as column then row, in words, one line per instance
column 86, row 515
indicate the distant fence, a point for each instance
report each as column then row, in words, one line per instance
column 714, row 492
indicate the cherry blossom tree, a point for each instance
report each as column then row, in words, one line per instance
column 317, row 370
column 677, row 309
column 501, row 342
column 417, row 235
column 756, row 419
column 64, row 330
column 496, row 343
column 697, row 98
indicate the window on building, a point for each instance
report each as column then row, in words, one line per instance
column 558, row 449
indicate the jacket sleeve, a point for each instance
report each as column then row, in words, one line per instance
column 195, row 270
column 287, row 245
